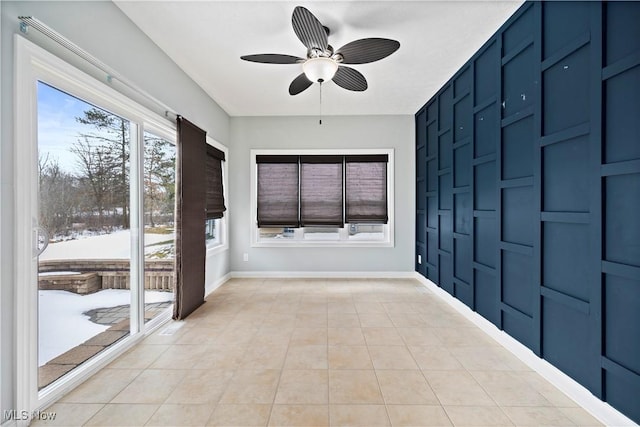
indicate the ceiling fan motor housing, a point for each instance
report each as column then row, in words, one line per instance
column 326, row 53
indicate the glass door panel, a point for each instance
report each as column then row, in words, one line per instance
column 84, row 221
column 159, row 179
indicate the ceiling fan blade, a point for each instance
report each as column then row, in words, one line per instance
column 308, row 29
column 299, row 84
column 273, row 58
column 364, row 51
column 350, row 79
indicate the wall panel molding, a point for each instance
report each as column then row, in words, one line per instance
column 535, row 169
column 604, row 412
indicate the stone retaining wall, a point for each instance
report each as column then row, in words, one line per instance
column 83, row 283
column 97, row 274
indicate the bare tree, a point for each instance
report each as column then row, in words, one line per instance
column 97, row 174
column 159, row 176
column 112, row 133
column 58, row 196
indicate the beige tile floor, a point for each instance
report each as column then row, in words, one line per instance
column 318, row 353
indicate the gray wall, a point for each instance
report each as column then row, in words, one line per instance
column 104, row 31
column 336, row 132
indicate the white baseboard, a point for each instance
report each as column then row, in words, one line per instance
column 324, row 274
column 601, row 410
column 215, row 285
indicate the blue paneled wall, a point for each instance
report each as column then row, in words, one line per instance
column 528, row 189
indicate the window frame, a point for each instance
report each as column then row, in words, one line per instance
column 298, row 240
column 33, row 64
column 222, row 243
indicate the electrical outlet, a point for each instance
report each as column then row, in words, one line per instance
column 419, row 259
column 245, row 257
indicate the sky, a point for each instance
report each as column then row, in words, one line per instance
column 58, row 128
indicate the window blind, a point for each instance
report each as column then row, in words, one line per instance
column 321, row 200
column 366, row 188
column 278, row 194
column 190, row 219
column 215, row 191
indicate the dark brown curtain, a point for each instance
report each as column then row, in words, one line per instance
column 321, row 200
column 278, row 194
column 366, row 188
column 190, row 219
column 215, row 191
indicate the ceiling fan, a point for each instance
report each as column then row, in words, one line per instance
column 322, row 62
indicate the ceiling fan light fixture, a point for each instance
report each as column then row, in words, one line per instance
column 320, row 69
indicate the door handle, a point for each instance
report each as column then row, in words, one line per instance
column 42, row 240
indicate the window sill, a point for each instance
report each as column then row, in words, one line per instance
column 322, row 244
column 214, row 250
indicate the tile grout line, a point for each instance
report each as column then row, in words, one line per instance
column 328, row 295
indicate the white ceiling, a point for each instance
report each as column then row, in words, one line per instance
column 207, row 38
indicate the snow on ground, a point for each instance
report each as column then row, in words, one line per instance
column 115, row 245
column 62, row 324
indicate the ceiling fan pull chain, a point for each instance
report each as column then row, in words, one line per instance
column 320, row 121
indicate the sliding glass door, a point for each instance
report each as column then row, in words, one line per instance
column 85, row 273
column 84, row 263
column 159, row 185
column 95, row 204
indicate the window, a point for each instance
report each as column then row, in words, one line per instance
column 365, row 232
column 215, row 191
column 321, row 201
column 211, row 231
column 366, row 192
column 278, row 193
column 277, row 233
column 322, row 197
column 215, row 224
